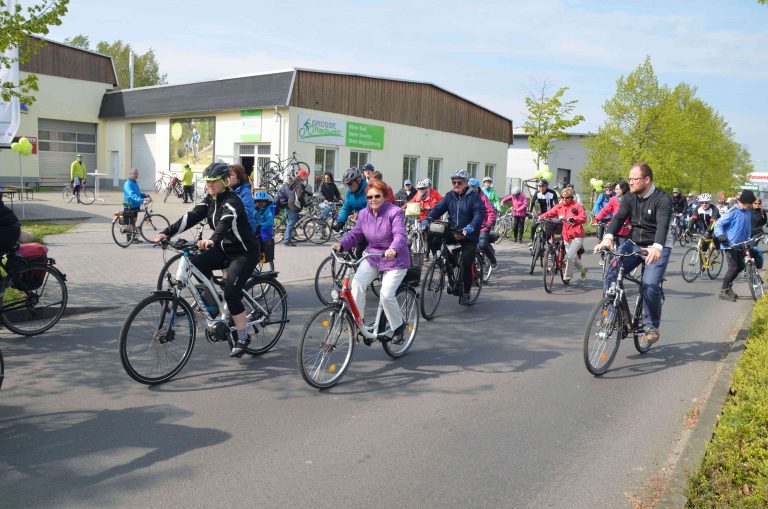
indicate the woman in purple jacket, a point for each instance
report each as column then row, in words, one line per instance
column 382, row 225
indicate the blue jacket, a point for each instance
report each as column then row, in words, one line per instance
column 132, row 194
column 467, row 209
column 353, row 202
column 246, row 195
column 600, row 202
column 265, row 219
column 736, row 224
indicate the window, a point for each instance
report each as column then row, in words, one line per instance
column 410, row 168
column 490, row 171
column 433, row 171
column 359, row 159
column 263, row 152
column 56, row 141
column 472, row 170
column 325, row 160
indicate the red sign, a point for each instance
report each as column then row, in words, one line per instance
column 754, row 176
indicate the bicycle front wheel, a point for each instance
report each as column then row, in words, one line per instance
column 279, row 230
column 432, row 289
column 317, row 231
column 535, row 254
column 715, row 265
column 121, row 235
column 34, row 297
column 601, row 337
column 408, row 302
column 171, row 267
column 86, row 196
column 477, row 278
column 550, row 269
column 157, row 338
column 66, row 194
column 266, row 303
column 690, row 266
column 326, row 346
column 152, row 225
column 327, row 279
column 755, row 282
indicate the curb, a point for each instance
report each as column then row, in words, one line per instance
column 674, row 495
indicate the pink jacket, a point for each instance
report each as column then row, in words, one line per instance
column 519, row 203
column 490, row 214
column 611, row 208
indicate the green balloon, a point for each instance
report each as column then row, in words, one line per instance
column 16, row 146
column 26, row 150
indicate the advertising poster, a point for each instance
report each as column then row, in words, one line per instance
column 192, row 141
column 250, row 125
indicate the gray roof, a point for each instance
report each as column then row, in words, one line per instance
column 259, row 91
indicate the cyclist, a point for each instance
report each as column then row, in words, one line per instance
column 649, row 210
column 427, row 196
column 264, row 213
column 705, row 216
column 368, row 170
column 376, row 175
column 238, row 182
column 465, row 212
column 733, row 228
column 10, row 228
column 354, row 199
column 232, row 244
column 406, row 193
column 519, row 205
column 488, row 222
column 490, row 193
column 381, row 225
column 759, row 219
column 186, row 181
column 576, row 196
column 331, row 196
column 603, row 198
column 621, row 189
column 294, row 205
column 692, row 206
column 133, row 199
column 573, row 217
column 546, row 199
column 77, row 175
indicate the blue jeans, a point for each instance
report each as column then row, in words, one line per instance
column 290, row 222
column 652, row 277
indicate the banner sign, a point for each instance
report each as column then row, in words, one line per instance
column 313, row 129
column 9, row 111
column 250, row 125
column 365, row 136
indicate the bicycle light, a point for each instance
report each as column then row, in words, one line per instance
column 335, row 294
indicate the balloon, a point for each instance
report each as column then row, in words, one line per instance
column 545, row 168
column 538, row 174
column 26, row 150
column 23, row 140
column 592, row 181
column 16, row 147
column 548, row 175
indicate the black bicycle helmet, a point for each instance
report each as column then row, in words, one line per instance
column 352, row 175
column 543, row 182
column 216, row 171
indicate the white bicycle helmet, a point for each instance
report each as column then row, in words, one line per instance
column 427, row 182
column 705, row 197
column 422, row 184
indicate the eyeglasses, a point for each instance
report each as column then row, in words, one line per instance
column 372, row 196
column 567, row 197
column 457, row 182
column 630, row 179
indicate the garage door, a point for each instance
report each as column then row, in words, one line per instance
column 142, row 153
column 59, row 141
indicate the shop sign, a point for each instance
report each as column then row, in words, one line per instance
column 250, row 125
column 313, row 129
column 365, row 136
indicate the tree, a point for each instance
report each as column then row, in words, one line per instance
column 18, row 29
column 146, row 71
column 548, row 120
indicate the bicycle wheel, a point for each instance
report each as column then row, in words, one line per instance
column 407, row 300
column 157, row 338
column 159, row 185
column 152, row 225
column 66, row 193
column 375, row 285
column 550, row 269
column 690, row 266
column 535, row 254
column 432, row 288
column 170, row 267
column 34, row 296
column 87, row 197
column 266, row 302
column 279, row 230
column 167, row 193
column 317, row 231
column 120, row 235
column 487, row 268
column 601, row 337
column 327, row 279
column 715, row 265
column 326, row 346
column 640, row 345
column 299, row 234
column 2, row 369
column 477, row 279
column 755, row 282
column 685, row 238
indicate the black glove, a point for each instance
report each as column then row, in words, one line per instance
column 337, row 227
column 722, row 239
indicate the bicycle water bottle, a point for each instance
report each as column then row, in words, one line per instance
column 208, row 300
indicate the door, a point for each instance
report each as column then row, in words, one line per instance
column 114, row 165
column 143, row 153
column 59, row 142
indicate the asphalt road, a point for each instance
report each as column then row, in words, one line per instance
column 491, row 408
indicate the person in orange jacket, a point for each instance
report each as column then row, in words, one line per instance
column 573, row 217
column 427, row 196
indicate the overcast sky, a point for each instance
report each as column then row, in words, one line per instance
column 493, row 53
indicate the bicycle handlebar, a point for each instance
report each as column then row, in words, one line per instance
column 641, row 254
column 345, row 259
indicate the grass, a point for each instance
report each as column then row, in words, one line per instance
column 39, row 229
column 734, row 472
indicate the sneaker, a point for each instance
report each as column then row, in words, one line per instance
column 464, row 299
column 239, row 349
column 567, row 281
column 583, row 273
column 137, row 240
column 729, row 294
column 290, row 243
column 651, row 336
column 397, row 336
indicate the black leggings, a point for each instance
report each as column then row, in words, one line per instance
column 518, row 226
column 239, row 270
column 468, row 249
column 188, row 190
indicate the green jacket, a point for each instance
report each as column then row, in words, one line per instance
column 186, row 176
column 77, row 170
column 490, row 193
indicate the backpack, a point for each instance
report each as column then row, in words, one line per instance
column 31, row 279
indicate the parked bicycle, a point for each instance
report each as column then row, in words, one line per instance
column 174, row 188
column 612, row 320
column 85, row 196
column 126, row 228
column 704, row 257
column 325, row 349
column 159, row 334
column 274, row 173
column 161, row 184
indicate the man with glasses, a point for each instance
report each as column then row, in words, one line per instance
column 649, row 210
column 466, row 212
column 546, row 199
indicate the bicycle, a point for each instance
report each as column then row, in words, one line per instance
column 162, row 183
column 175, row 187
column 554, row 259
column 330, row 269
column 157, row 337
column 274, row 173
column 493, row 238
column 325, row 349
column 33, row 293
column 611, row 320
column 85, row 196
column 703, row 257
column 751, row 273
column 447, row 262
column 539, row 244
column 125, row 230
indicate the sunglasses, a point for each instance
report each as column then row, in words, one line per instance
column 457, row 182
column 372, row 196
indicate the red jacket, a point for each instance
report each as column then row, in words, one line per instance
column 490, row 214
column 567, row 211
column 611, row 208
column 433, row 197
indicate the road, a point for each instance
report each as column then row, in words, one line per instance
column 491, row 408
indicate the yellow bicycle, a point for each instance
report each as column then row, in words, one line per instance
column 704, row 257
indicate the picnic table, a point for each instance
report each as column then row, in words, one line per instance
column 7, row 192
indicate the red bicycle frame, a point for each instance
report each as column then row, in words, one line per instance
column 346, row 294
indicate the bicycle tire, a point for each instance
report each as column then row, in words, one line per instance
column 158, row 338
column 432, row 287
column 279, row 230
column 715, row 265
column 271, row 296
column 550, row 269
column 487, row 267
column 2, row 369
column 755, row 282
column 534, row 254
column 301, row 165
column 477, row 280
column 684, row 239
column 158, row 185
column 407, row 299
column 167, row 193
column 86, row 197
column 327, row 327
column 66, row 194
column 375, row 285
column 640, row 346
column 122, row 237
column 157, row 223
column 27, row 309
column 317, row 231
column 299, row 235
column 605, row 317
column 690, row 265
column 327, row 269
column 162, row 281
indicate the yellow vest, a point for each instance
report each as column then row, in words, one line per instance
column 186, row 177
column 77, row 170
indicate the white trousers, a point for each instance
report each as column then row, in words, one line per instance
column 365, row 274
column 571, row 256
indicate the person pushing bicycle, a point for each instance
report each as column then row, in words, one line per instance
column 133, row 199
column 232, row 244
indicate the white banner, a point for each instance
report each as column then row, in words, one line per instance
column 314, row 129
column 9, row 111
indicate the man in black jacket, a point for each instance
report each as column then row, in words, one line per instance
column 10, row 229
column 405, row 194
column 296, row 202
column 650, row 212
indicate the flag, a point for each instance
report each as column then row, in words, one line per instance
column 9, row 111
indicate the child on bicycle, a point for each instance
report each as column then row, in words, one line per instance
column 573, row 217
column 265, row 225
column 733, row 228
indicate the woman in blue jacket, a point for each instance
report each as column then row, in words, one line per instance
column 238, row 181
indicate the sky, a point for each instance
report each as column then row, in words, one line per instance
column 491, row 52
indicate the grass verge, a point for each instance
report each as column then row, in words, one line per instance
column 734, row 472
column 39, row 229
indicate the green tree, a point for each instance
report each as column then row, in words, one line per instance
column 146, row 70
column 547, row 121
column 18, row 28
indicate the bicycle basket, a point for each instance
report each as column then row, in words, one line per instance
column 438, row 228
column 413, row 275
column 412, row 209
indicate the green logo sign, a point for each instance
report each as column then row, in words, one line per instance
column 365, row 136
column 315, row 128
column 250, row 125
